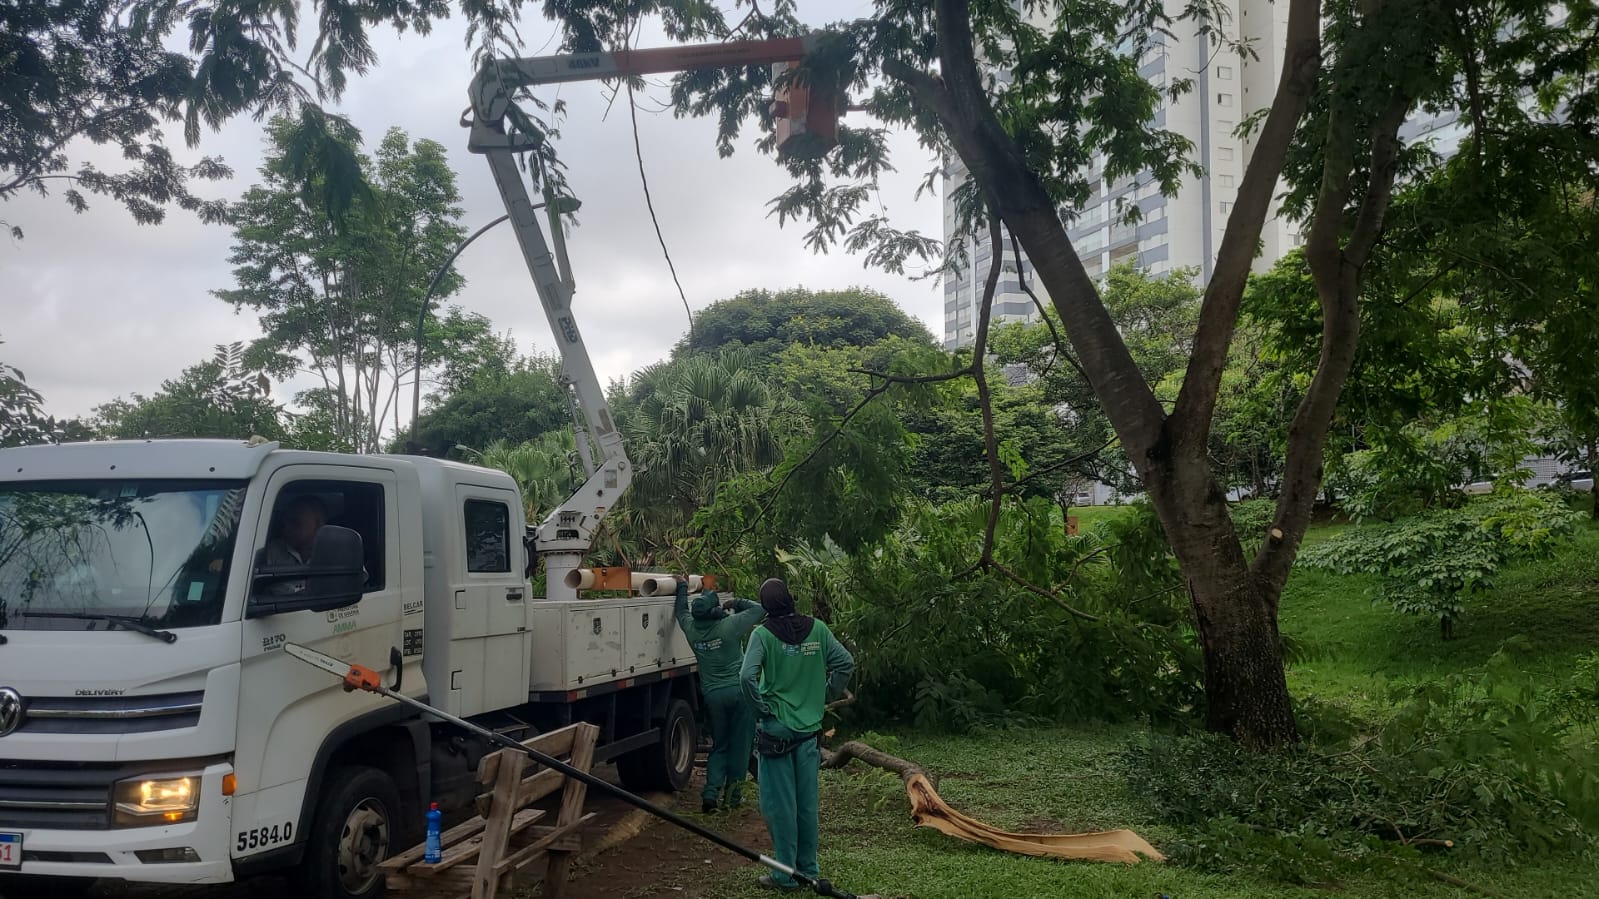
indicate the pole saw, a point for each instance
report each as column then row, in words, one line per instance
column 359, row 677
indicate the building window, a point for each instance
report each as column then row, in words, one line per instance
column 1226, row 180
column 1226, row 207
column 1224, row 99
column 1224, row 153
column 1225, row 73
column 1225, row 126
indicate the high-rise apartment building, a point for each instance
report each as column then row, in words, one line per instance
column 1182, row 231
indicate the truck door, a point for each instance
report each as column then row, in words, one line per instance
column 287, row 708
column 489, row 637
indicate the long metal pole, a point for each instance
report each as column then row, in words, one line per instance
column 821, row 886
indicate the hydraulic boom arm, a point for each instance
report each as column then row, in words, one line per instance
column 568, row 532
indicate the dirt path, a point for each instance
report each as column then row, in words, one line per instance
column 661, row 860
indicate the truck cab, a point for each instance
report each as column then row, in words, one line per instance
column 151, row 727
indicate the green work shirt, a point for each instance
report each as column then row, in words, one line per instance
column 793, row 683
column 718, row 644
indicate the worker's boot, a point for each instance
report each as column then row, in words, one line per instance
column 767, row 882
column 707, row 806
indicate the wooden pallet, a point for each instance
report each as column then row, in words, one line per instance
column 485, row 855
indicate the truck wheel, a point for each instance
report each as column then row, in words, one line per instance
column 36, row 886
column 669, row 763
column 357, row 825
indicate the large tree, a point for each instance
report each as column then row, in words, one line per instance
column 340, row 287
column 767, row 321
column 1073, row 90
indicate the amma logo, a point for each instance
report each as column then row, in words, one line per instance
column 10, row 710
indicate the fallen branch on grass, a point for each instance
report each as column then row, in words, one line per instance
column 928, row 809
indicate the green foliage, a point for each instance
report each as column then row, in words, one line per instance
column 1481, row 759
column 768, row 322
column 1421, row 464
column 692, row 425
column 338, row 278
column 492, row 393
column 546, row 469
column 22, row 419
column 78, row 74
column 951, row 651
column 222, row 397
column 1252, row 517
column 1430, row 563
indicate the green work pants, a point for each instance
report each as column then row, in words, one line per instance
column 789, row 805
column 732, row 733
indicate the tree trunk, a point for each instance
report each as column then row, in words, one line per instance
column 1245, row 691
column 1235, row 608
column 1235, row 612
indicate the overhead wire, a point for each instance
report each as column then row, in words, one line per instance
column 649, row 202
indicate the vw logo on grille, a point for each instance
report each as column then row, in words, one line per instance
column 10, row 710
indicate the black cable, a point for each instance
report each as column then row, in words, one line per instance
column 638, row 151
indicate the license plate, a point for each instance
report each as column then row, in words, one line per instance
column 10, row 850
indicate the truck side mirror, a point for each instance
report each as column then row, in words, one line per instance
column 333, row 579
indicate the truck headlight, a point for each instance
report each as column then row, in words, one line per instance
column 147, row 801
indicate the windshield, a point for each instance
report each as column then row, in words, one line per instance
column 153, row 550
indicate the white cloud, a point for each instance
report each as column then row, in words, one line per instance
column 95, row 306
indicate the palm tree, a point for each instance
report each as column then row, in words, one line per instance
column 546, row 469
column 698, row 421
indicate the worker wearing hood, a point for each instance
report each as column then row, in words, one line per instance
column 718, row 641
column 792, row 667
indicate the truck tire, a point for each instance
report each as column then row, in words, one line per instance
column 357, row 825
column 669, row 763
column 35, row 886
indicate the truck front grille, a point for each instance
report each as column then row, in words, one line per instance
column 57, row 795
column 111, row 714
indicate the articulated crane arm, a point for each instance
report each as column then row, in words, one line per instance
column 806, row 118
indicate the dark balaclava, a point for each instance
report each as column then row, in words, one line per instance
column 781, row 619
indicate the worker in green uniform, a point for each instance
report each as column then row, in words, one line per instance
column 792, row 667
column 718, row 641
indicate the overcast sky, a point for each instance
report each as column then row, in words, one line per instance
column 93, row 306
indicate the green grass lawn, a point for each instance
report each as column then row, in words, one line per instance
column 1067, row 779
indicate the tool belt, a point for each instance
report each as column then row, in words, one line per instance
column 776, row 747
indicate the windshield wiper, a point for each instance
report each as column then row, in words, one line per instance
column 127, row 621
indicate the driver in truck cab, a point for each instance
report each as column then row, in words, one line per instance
column 295, row 526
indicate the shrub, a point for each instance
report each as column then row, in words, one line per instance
column 1481, row 760
column 1430, row 563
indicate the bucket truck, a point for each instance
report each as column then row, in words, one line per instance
column 151, row 727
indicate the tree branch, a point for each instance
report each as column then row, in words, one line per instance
column 996, row 469
column 1021, row 201
column 1058, row 345
column 1190, row 422
column 1336, row 273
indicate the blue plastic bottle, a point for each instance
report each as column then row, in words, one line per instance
column 434, row 818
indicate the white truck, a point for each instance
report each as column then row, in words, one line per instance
column 151, row 728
